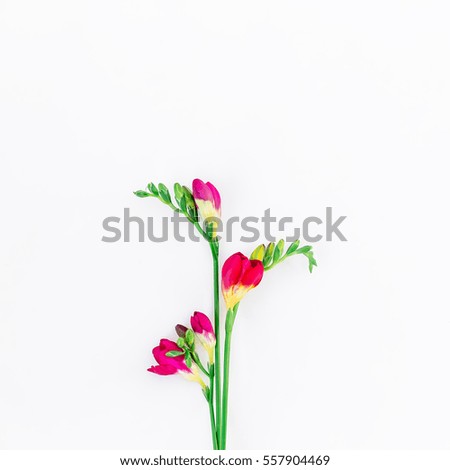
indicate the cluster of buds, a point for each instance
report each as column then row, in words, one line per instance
column 202, row 202
column 274, row 253
column 182, row 357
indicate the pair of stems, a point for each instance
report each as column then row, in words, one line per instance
column 219, row 419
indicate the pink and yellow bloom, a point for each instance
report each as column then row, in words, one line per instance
column 207, row 199
column 174, row 365
column 204, row 331
column 239, row 275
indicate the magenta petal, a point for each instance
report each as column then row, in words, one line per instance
column 160, row 352
column 195, row 323
column 201, row 323
column 169, row 345
column 232, row 270
column 216, row 196
column 253, row 273
column 201, row 191
column 163, row 370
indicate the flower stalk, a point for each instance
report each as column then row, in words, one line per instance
column 214, row 434
column 231, row 316
column 239, row 275
column 217, row 360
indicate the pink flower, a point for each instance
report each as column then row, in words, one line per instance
column 204, row 331
column 239, row 275
column 207, row 199
column 173, row 365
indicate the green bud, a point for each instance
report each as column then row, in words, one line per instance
column 190, row 337
column 153, row 189
column 187, row 192
column 312, row 261
column 293, row 247
column 278, row 252
column 178, row 191
column 304, row 249
column 269, row 253
column 258, row 252
column 164, row 193
column 142, row 193
column 182, row 204
column 191, row 208
column 192, row 212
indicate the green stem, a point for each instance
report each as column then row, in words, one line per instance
column 200, row 230
column 231, row 315
column 199, row 363
column 226, row 375
column 215, row 254
column 267, row 268
column 211, row 408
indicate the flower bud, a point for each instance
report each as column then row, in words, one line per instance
column 239, row 275
column 181, row 330
column 258, row 252
column 204, row 331
column 171, row 360
column 207, row 200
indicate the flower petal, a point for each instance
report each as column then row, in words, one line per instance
column 232, row 270
column 253, row 273
column 160, row 352
column 201, row 191
column 216, row 196
column 163, row 370
column 201, row 324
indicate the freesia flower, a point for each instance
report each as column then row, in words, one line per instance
column 204, row 331
column 174, row 365
column 239, row 275
column 207, row 199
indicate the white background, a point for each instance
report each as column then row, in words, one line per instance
column 294, row 106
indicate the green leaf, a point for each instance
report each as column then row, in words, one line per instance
column 174, row 353
column 269, row 253
column 293, row 247
column 142, row 193
column 190, row 337
column 258, row 252
column 164, row 193
column 153, row 189
column 180, row 342
column 278, row 251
